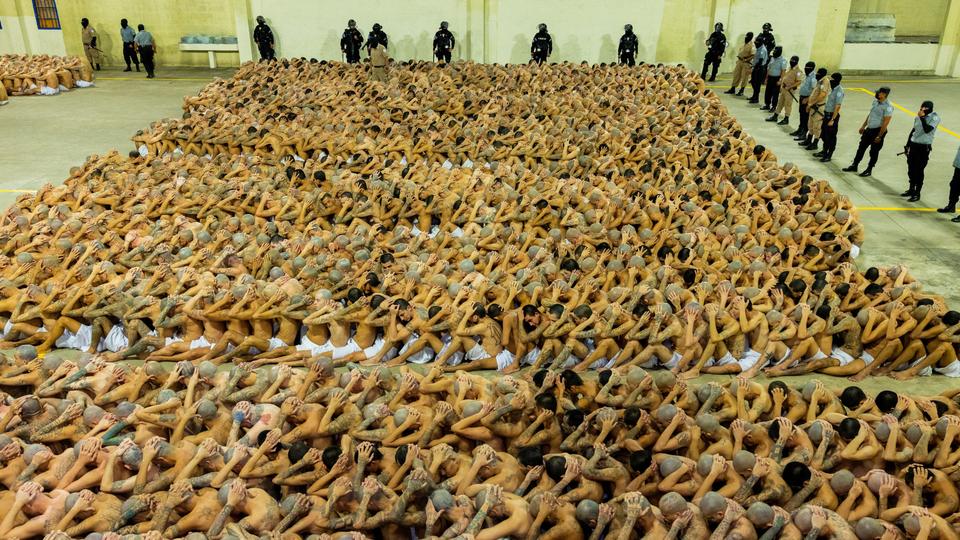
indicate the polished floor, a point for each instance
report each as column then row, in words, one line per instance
column 41, row 138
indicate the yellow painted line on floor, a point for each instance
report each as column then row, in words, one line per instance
column 18, row 191
column 892, row 209
column 908, row 111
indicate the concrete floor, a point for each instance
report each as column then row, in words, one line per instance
column 77, row 124
column 897, row 232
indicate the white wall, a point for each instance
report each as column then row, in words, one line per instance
column 889, row 56
column 313, row 29
column 580, row 30
column 21, row 35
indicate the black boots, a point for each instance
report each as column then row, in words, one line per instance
column 785, row 121
column 772, row 118
column 948, row 209
column 731, row 91
column 866, row 172
column 850, row 168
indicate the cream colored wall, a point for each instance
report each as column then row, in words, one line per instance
column 889, row 56
column 313, row 28
column 914, row 17
column 487, row 30
column 581, row 30
column 20, row 33
column 167, row 20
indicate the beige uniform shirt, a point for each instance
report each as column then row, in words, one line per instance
column 87, row 36
column 747, row 52
column 820, row 93
column 791, row 79
column 379, row 56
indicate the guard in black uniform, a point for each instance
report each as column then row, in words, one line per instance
column 627, row 51
column 263, row 37
column 716, row 45
column 542, row 45
column 766, row 38
column 443, row 43
column 351, row 42
column 377, row 35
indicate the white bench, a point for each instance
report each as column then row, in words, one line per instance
column 211, row 49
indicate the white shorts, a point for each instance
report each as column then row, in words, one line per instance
column 750, row 359
column 200, row 343
column 477, row 352
column 819, row 356
column 468, row 164
column 867, row 357
column 950, row 370
column 83, row 84
column 673, row 362
column 854, row 251
column 722, row 361
column 456, row 358
column 47, row 91
column 531, row 357
column 313, row 348
column 171, row 340
column 80, row 341
column 276, row 343
column 422, row 356
column 842, row 355
column 116, row 339
column 505, row 359
column 457, row 233
column 375, row 349
column 447, row 165
column 345, row 351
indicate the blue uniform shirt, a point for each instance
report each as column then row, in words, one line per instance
column 776, row 66
column 806, row 88
column 835, row 98
column 956, row 159
column 760, row 58
column 878, row 111
column 144, row 38
column 127, row 34
column 919, row 136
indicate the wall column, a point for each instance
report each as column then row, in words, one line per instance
column 948, row 57
column 244, row 23
column 830, row 33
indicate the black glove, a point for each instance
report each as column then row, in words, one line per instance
column 93, row 41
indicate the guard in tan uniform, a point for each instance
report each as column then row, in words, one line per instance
column 741, row 72
column 815, row 108
column 378, row 61
column 90, row 46
column 789, row 82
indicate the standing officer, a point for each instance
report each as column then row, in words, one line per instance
column 351, row 42
column 775, row 68
column 716, row 44
column 919, row 145
column 147, row 48
column 954, row 196
column 89, row 38
column 789, row 82
column 443, row 43
column 759, row 69
column 766, row 37
column 377, row 36
column 806, row 88
column 627, row 51
column 815, row 108
column 872, row 131
column 263, row 37
column 741, row 71
column 542, row 45
column 378, row 60
column 831, row 118
column 129, row 49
